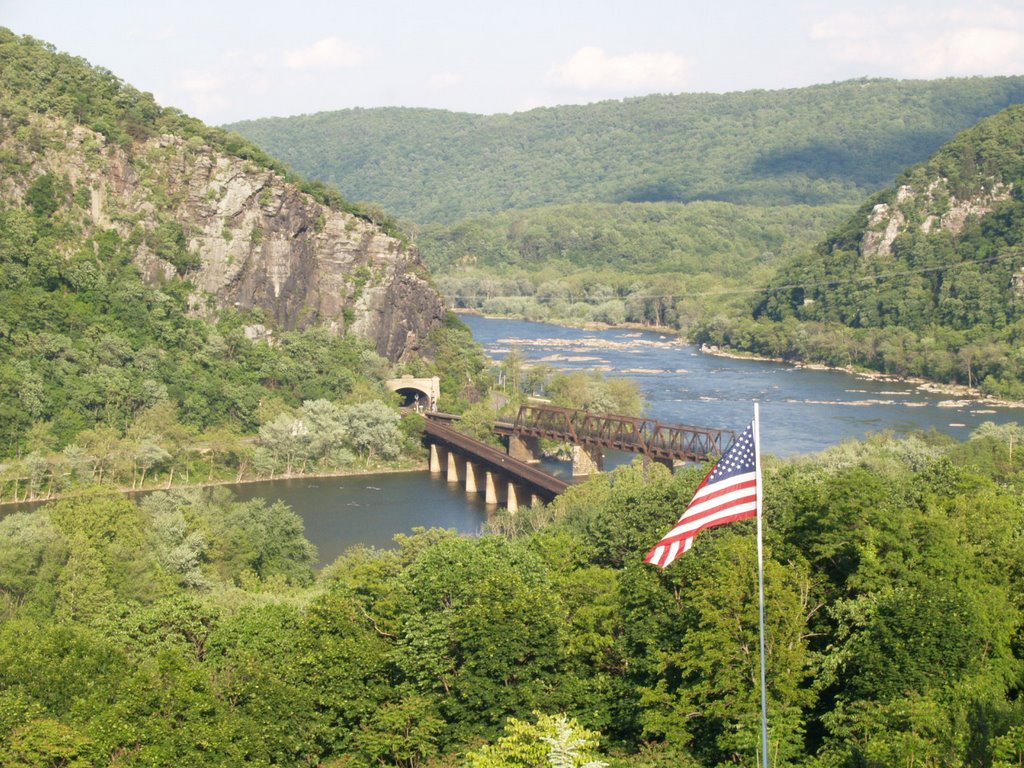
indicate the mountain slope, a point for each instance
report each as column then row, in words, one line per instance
column 928, row 275
column 192, row 201
column 141, row 252
column 951, row 228
column 823, row 144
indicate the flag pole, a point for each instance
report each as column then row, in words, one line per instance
column 760, row 587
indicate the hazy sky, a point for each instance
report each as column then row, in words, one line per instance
column 225, row 60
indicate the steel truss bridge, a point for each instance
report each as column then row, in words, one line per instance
column 661, row 442
column 511, row 479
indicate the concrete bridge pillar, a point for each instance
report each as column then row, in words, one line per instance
column 493, row 488
column 586, row 461
column 512, row 498
column 471, row 477
column 438, row 459
column 456, row 468
column 524, row 448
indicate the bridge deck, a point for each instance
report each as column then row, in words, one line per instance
column 547, row 485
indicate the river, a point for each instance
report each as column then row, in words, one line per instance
column 802, row 411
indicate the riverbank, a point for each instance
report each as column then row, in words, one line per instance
column 164, row 486
column 962, row 394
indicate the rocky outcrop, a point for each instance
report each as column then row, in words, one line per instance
column 935, row 207
column 250, row 238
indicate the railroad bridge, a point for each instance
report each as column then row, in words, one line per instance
column 511, row 479
column 591, row 434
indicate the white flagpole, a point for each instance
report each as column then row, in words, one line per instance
column 760, row 586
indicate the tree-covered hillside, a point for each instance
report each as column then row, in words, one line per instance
column 619, row 211
column 927, row 278
column 36, row 79
column 653, row 263
column 190, row 630
column 110, row 374
column 823, row 144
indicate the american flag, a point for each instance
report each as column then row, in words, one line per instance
column 727, row 493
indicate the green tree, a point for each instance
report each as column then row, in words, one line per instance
column 483, row 632
column 32, row 554
column 48, row 742
column 251, row 537
column 553, row 740
column 709, row 685
column 405, row 732
column 372, row 429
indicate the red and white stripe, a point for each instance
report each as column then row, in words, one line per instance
column 733, row 498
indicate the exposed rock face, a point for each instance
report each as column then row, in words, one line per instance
column 886, row 222
column 259, row 241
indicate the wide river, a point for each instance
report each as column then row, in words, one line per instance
column 802, row 411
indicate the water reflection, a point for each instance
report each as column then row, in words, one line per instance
column 340, row 512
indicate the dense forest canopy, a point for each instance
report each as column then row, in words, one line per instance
column 818, row 145
column 190, row 630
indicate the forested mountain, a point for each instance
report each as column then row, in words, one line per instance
column 823, row 144
column 656, row 263
column 926, row 278
column 161, row 280
column 657, row 210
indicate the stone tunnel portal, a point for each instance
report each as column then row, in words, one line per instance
column 419, row 393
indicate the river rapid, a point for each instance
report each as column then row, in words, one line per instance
column 803, row 410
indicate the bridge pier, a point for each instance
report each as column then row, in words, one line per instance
column 471, row 474
column 586, row 461
column 493, row 488
column 524, row 448
column 512, row 498
column 438, row 459
column 456, row 468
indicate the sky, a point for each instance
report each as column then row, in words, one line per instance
column 227, row 60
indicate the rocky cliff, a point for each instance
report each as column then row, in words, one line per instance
column 941, row 248
column 932, row 208
column 243, row 235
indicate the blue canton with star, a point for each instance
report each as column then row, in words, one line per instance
column 738, row 460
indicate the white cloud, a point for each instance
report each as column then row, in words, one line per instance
column 592, row 69
column 326, row 54
column 975, row 50
column 987, row 39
